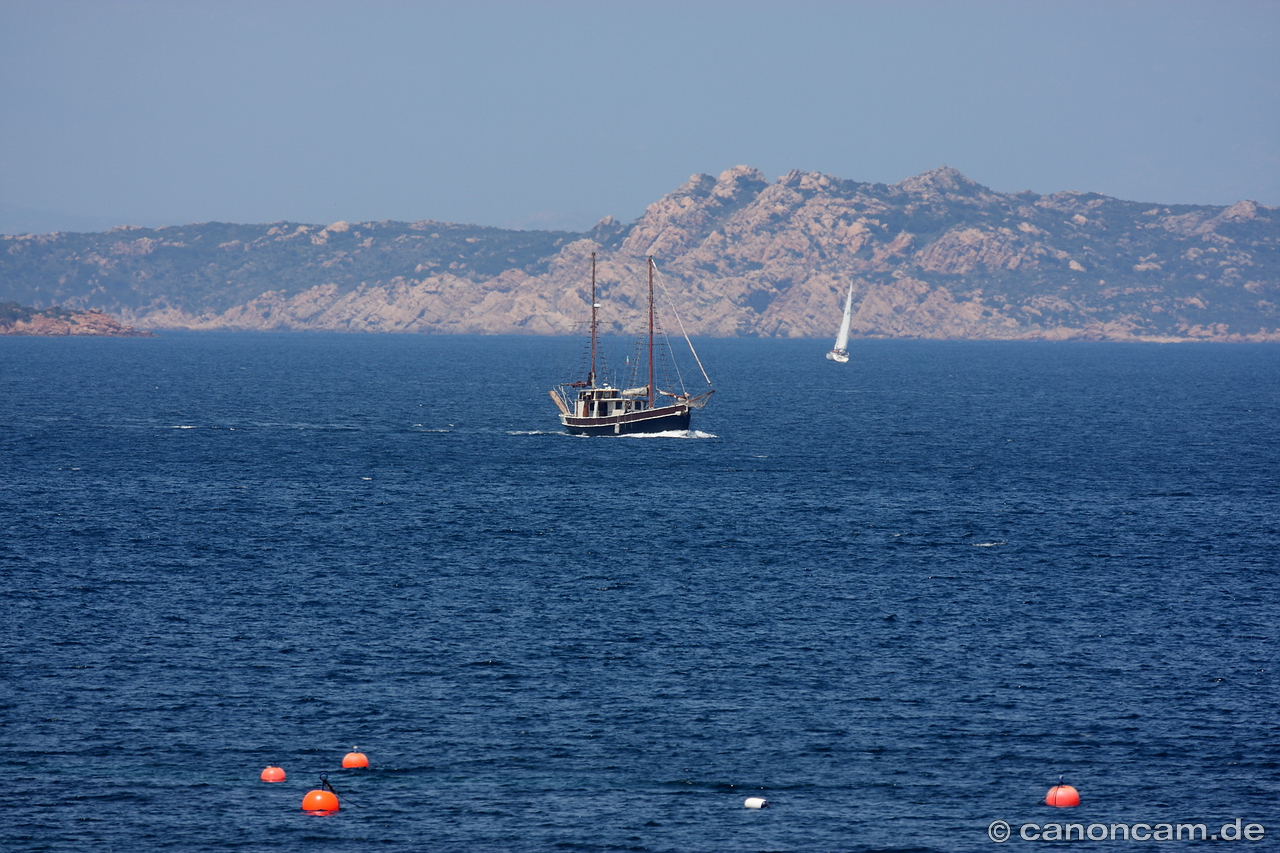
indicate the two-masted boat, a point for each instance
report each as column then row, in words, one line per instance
column 840, row 352
column 595, row 407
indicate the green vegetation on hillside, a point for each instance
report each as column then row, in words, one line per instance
column 12, row 312
column 213, row 266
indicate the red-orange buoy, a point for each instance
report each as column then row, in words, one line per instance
column 355, row 759
column 1062, row 796
column 273, row 774
column 322, row 802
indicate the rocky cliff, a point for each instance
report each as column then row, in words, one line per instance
column 935, row 256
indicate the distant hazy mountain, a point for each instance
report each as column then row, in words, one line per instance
column 934, row 256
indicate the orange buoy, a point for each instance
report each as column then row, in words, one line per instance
column 1062, row 796
column 322, row 802
column 355, row 759
column 273, row 774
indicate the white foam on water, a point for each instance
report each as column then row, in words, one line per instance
column 674, row 433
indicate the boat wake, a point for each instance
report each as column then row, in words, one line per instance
column 674, row 433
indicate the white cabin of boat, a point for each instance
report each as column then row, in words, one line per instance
column 607, row 401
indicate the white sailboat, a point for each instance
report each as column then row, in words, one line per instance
column 840, row 352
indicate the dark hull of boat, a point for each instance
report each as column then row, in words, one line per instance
column 666, row 419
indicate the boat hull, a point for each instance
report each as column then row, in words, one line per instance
column 838, row 355
column 665, row 419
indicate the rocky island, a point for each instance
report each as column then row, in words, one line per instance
column 18, row 319
column 934, row 256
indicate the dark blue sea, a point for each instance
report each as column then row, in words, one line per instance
column 898, row 598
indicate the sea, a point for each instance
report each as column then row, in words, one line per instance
column 898, row 599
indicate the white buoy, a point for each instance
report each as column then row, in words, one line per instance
column 756, row 803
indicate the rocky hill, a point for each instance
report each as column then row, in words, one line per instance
column 935, row 256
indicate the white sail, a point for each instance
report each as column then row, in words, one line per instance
column 840, row 352
column 842, row 339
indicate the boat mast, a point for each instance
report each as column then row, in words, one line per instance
column 591, row 377
column 651, row 394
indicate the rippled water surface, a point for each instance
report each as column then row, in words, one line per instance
column 897, row 597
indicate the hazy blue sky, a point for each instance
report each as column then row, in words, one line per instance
column 555, row 114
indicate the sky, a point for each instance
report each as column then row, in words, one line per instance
column 555, row 114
